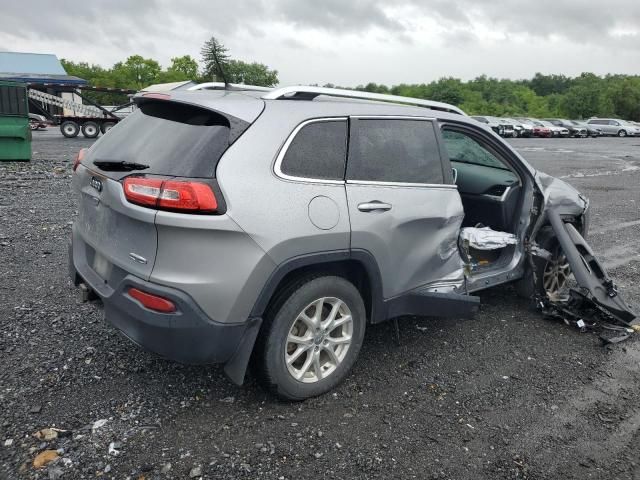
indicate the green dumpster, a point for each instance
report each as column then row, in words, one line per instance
column 15, row 134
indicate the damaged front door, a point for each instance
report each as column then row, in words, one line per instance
column 595, row 285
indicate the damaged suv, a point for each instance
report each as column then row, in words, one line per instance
column 243, row 226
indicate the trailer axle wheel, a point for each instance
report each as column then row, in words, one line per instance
column 90, row 129
column 70, row 129
column 106, row 126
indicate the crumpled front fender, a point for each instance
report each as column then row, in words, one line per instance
column 561, row 197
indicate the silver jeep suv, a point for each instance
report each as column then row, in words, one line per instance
column 269, row 228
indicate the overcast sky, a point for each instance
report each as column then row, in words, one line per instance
column 345, row 42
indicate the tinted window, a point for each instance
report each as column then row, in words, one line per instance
column 172, row 138
column 394, row 151
column 465, row 149
column 13, row 101
column 319, row 150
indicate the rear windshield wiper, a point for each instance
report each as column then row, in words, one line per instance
column 112, row 166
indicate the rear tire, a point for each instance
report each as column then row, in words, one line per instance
column 551, row 276
column 90, row 129
column 70, row 129
column 303, row 351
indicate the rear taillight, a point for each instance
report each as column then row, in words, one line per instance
column 78, row 158
column 177, row 195
column 152, row 302
column 157, row 96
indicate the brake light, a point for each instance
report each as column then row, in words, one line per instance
column 178, row 195
column 153, row 302
column 157, row 96
column 78, row 158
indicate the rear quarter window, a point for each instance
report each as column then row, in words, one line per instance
column 318, row 151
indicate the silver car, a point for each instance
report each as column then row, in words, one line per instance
column 274, row 227
column 615, row 127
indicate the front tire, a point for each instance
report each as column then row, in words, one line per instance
column 311, row 338
column 622, row 133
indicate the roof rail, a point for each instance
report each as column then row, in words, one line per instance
column 234, row 86
column 309, row 93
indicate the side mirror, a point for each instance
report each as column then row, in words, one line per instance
column 454, row 171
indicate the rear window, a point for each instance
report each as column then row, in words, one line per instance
column 171, row 138
column 318, row 151
column 394, row 150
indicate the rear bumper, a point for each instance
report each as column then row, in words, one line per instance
column 187, row 335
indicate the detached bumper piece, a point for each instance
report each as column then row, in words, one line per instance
column 596, row 303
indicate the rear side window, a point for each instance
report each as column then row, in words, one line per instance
column 318, row 150
column 12, row 101
column 171, row 138
column 394, row 150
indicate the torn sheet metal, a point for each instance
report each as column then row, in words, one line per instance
column 591, row 276
column 486, row 239
column 596, row 304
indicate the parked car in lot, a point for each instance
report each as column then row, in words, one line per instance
column 539, row 130
column 37, row 122
column 615, row 127
column 502, row 128
column 520, row 129
column 555, row 129
column 224, row 226
column 492, row 122
column 574, row 130
column 592, row 130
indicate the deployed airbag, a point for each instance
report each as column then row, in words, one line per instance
column 486, row 239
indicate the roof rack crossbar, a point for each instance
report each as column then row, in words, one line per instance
column 234, row 86
column 309, row 93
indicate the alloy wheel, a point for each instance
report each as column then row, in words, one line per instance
column 556, row 275
column 318, row 340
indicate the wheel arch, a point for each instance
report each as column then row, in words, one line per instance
column 357, row 266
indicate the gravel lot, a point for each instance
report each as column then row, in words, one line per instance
column 505, row 395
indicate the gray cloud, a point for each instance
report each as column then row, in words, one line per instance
column 126, row 21
column 337, row 15
column 342, row 41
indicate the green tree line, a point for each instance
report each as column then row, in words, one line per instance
column 137, row 72
column 541, row 96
